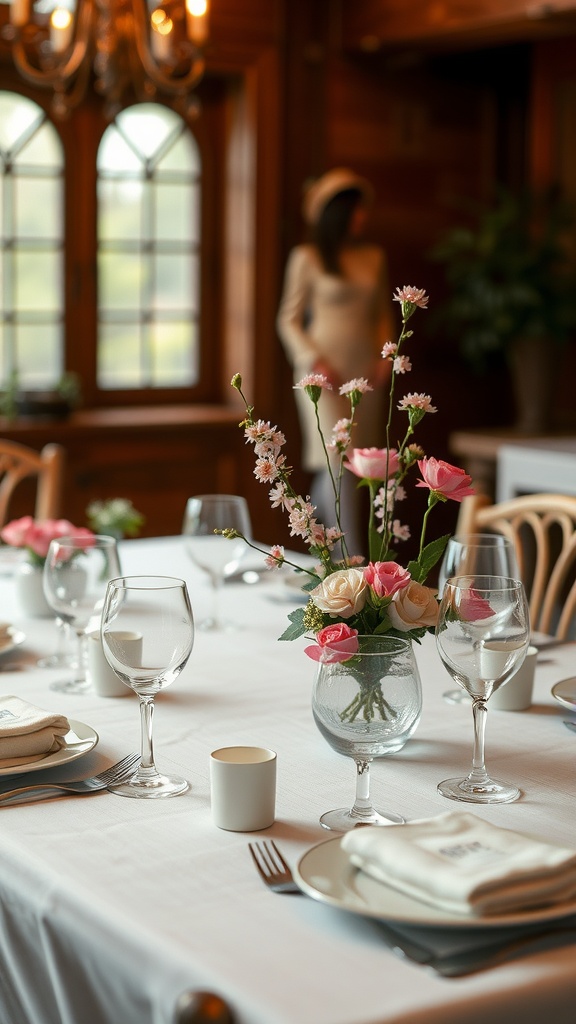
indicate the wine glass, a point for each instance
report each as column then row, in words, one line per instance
column 63, row 656
column 365, row 707
column 482, row 635
column 76, row 572
column 157, row 607
column 487, row 554
column 216, row 555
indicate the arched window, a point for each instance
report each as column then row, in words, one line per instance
column 31, row 245
column 148, row 189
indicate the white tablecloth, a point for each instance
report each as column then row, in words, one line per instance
column 110, row 907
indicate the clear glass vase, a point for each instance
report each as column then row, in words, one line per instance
column 367, row 707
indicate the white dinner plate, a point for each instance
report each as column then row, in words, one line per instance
column 79, row 740
column 326, row 874
column 565, row 692
column 10, row 638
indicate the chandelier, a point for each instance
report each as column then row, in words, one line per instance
column 128, row 49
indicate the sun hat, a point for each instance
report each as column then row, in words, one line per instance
column 321, row 191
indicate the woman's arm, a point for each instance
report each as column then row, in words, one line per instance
column 293, row 310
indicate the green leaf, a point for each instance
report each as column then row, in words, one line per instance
column 430, row 555
column 297, row 628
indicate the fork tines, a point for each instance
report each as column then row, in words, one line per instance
column 117, row 771
column 268, row 859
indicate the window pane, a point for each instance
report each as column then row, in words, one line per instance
column 148, row 265
column 38, row 212
column 119, row 357
column 175, row 285
column 148, row 126
column 115, row 154
column 39, row 355
column 17, row 116
column 120, row 209
column 31, row 266
column 120, row 281
column 174, row 348
column 43, row 150
column 173, row 213
column 38, row 284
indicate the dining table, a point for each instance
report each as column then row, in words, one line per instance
column 112, row 909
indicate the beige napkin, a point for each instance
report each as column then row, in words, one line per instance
column 459, row 863
column 28, row 733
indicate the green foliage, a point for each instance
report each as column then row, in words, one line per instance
column 510, row 276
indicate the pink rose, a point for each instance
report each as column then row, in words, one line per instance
column 386, row 578
column 472, row 606
column 334, row 643
column 373, row 463
column 413, row 607
column 342, row 594
column 16, row 533
column 447, row 480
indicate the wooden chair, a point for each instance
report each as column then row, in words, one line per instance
column 17, row 462
column 543, row 530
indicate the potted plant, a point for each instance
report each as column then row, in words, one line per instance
column 512, row 290
column 50, row 403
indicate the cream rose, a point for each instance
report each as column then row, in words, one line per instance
column 343, row 593
column 413, row 607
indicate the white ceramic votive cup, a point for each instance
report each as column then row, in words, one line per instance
column 243, row 788
column 99, row 673
column 516, row 694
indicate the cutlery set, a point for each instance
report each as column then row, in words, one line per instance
column 96, row 784
column 465, row 954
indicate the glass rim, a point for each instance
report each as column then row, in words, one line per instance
column 137, row 582
column 474, row 581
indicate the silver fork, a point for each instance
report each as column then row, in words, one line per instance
column 116, row 773
column 272, row 867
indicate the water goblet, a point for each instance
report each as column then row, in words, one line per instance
column 158, row 608
column 482, row 635
column 76, row 573
column 486, row 554
column 365, row 707
column 216, row 555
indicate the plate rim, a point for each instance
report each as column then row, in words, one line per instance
column 441, row 919
column 63, row 756
column 17, row 637
column 571, row 705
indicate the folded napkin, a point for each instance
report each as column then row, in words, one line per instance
column 458, row 863
column 28, row 733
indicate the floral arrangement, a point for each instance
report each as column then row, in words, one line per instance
column 116, row 517
column 34, row 535
column 346, row 597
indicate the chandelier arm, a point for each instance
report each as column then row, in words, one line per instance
column 174, row 86
column 62, row 73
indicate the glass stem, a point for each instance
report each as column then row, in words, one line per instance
column 362, row 805
column 146, row 745
column 217, row 584
column 81, row 666
column 478, row 773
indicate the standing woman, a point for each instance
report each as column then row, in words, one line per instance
column 334, row 317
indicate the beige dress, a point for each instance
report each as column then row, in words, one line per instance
column 343, row 321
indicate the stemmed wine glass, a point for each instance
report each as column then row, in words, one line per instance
column 485, row 554
column 76, row 572
column 365, row 707
column 157, row 607
column 216, row 555
column 482, row 635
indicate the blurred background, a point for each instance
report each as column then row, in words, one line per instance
column 152, row 163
